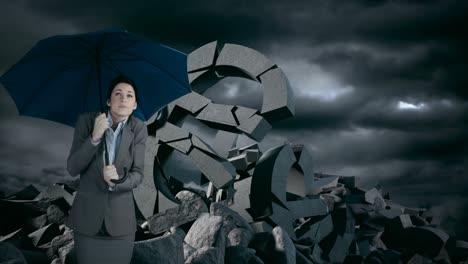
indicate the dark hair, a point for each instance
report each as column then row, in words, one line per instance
column 121, row 79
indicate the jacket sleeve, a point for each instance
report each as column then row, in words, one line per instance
column 135, row 173
column 82, row 150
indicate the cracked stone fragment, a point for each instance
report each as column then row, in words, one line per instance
column 240, row 162
column 45, row 234
column 182, row 145
column 231, row 219
column 55, row 192
column 203, row 57
column 278, row 99
column 198, row 143
column 186, row 196
column 220, row 173
column 248, row 60
column 320, row 184
column 243, row 113
column 218, row 114
column 255, row 127
column 206, row 255
column 284, row 246
column 191, row 102
column 165, row 249
column 207, row 231
column 170, row 132
column 224, row 142
column 184, row 213
column 239, row 237
column 372, row 195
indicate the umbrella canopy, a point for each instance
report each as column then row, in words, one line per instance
column 63, row 76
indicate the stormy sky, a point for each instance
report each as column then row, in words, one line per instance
column 380, row 86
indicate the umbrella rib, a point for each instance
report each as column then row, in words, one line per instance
column 49, row 78
column 126, row 46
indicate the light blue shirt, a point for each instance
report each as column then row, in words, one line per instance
column 113, row 138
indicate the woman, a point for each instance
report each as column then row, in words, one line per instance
column 103, row 214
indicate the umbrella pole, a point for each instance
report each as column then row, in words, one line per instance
column 98, row 64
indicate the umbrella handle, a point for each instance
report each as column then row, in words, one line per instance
column 125, row 176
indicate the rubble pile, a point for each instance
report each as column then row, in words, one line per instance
column 361, row 226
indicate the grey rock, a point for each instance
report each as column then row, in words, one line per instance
column 55, row 214
column 284, row 246
column 65, row 253
column 231, row 219
column 59, row 241
column 207, row 231
column 184, row 213
column 188, row 250
column 177, row 231
column 166, row 249
column 239, row 237
column 186, row 196
column 206, row 255
column 241, row 255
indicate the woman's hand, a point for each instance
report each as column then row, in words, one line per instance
column 110, row 172
column 101, row 123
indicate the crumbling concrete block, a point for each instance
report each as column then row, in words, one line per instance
column 248, row 60
column 202, row 58
column 278, row 99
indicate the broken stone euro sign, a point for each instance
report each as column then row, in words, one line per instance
column 256, row 185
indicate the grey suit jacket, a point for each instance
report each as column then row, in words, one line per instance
column 93, row 201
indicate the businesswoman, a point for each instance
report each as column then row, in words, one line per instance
column 103, row 215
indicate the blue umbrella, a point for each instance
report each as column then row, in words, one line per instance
column 63, row 76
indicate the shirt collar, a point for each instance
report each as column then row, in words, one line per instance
column 111, row 122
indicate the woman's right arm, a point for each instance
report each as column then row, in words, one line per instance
column 82, row 150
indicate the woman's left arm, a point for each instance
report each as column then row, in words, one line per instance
column 135, row 173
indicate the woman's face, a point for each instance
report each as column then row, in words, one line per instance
column 122, row 101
